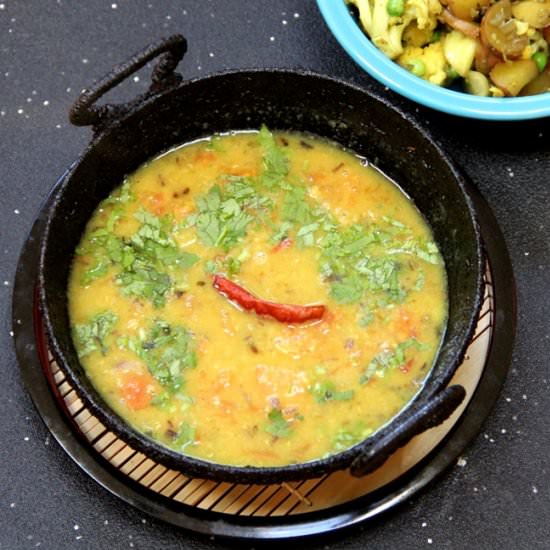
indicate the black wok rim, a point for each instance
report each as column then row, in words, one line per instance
column 315, row 523
column 250, row 474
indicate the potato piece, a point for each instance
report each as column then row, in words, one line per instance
column 467, row 9
column 459, row 51
column 512, row 76
column 536, row 14
column 540, row 85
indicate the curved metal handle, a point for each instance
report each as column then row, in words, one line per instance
column 84, row 112
column 430, row 415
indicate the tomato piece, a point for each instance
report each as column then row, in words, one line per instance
column 155, row 203
column 135, row 390
column 405, row 368
column 204, row 157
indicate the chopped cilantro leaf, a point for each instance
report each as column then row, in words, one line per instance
column 389, row 359
column 105, row 248
column 348, row 290
column 169, row 402
column 300, row 213
column 326, row 391
column 145, row 282
column 186, row 436
column 215, row 144
column 419, row 283
column 223, row 216
column 277, row 425
column 425, row 250
column 354, row 261
column 167, row 350
column 366, row 319
column 296, row 208
column 349, row 437
column 162, row 401
column 98, row 270
column 281, row 232
column 147, row 261
column 228, row 265
column 211, row 266
column 306, row 233
column 91, row 336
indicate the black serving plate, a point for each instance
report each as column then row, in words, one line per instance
column 31, row 353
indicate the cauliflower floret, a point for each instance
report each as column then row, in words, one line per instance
column 537, row 43
column 424, row 12
column 432, row 59
column 375, row 20
column 386, row 31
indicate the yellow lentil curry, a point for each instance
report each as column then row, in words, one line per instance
column 179, row 286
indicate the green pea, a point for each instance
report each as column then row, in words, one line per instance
column 541, row 59
column 417, row 67
column 395, row 8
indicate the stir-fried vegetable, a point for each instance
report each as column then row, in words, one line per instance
column 493, row 47
column 501, row 31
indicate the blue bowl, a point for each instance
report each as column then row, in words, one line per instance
column 356, row 43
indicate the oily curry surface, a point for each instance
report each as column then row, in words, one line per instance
column 176, row 290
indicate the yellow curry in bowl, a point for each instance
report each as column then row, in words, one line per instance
column 257, row 299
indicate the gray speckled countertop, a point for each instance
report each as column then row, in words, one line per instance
column 497, row 496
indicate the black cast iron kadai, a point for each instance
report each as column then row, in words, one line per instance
column 174, row 112
column 254, row 511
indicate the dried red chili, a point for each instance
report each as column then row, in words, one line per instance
column 285, row 313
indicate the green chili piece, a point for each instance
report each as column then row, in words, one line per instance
column 541, row 59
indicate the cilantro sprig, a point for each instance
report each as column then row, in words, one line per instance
column 365, row 258
column 275, row 162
